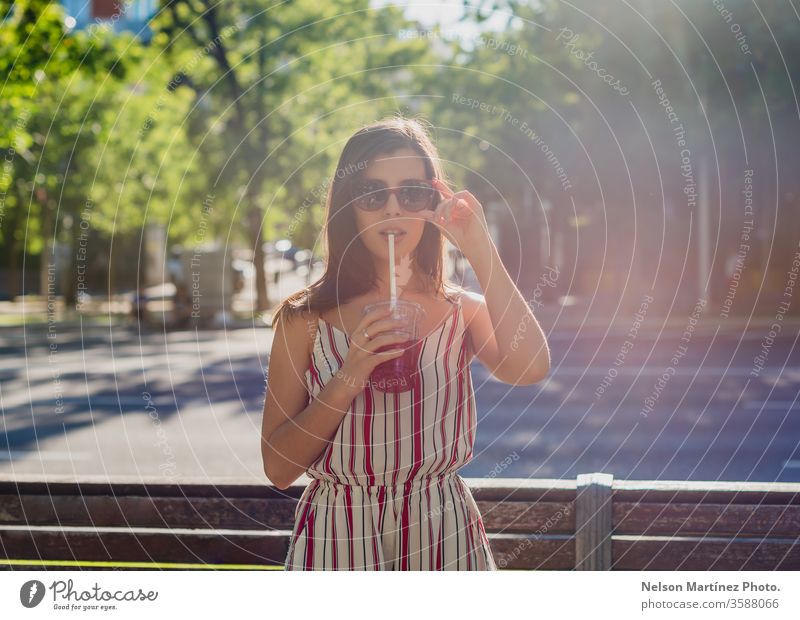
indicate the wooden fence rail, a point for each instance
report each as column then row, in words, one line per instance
column 591, row 523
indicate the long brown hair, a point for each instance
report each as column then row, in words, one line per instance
column 350, row 270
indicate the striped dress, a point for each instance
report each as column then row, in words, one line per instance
column 384, row 494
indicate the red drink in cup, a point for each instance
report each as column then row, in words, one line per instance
column 399, row 374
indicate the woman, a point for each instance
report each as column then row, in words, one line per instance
column 384, row 493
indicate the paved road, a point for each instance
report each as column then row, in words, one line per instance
column 114, row 401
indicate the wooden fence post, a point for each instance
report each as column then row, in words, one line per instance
column 593, row 523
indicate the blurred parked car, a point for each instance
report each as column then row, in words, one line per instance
column 283, row 256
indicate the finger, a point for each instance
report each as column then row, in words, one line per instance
column 470, row 197
column 462, row 209
column 446, row 208
column 384, row 339
column 443, row 187
column 435, row 215
column 453, row 208
column 390, row 353
column 387, row 324
column 374, row 315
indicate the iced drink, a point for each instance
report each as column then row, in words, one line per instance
column 399, row 374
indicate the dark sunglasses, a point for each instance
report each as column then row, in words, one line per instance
column 412, row 195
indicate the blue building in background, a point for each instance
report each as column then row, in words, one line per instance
column 121, row 15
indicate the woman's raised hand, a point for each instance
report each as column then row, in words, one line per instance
column 362, row 357
column 460, row 217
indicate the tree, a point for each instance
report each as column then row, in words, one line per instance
column 51, row 112
column 282, row 83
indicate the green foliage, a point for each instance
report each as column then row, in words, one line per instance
column 301, row 77
column 252, row 103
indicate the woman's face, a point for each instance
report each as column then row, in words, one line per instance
column 392, row 169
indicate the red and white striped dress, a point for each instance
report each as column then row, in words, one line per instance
column 385, row 494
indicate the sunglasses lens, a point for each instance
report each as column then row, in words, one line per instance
column 416, row 197
column 370, row 196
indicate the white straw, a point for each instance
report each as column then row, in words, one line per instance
column 392, row 283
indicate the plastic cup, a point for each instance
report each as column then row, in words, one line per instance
column 399, row 374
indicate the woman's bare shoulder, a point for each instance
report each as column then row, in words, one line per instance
column 472, row 303
column 298, row 328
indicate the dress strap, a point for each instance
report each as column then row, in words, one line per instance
column 459, row 295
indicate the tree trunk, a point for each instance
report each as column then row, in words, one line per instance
column 70, row 286
column 259, row 147
column 254, row 219
column 13, row 270
column 12, row 246
column 48, row 255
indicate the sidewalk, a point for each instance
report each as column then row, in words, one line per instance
column 34, row 315
column 575, row 318
column 565, row 318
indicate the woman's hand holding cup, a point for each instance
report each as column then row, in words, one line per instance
column 376, row 329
